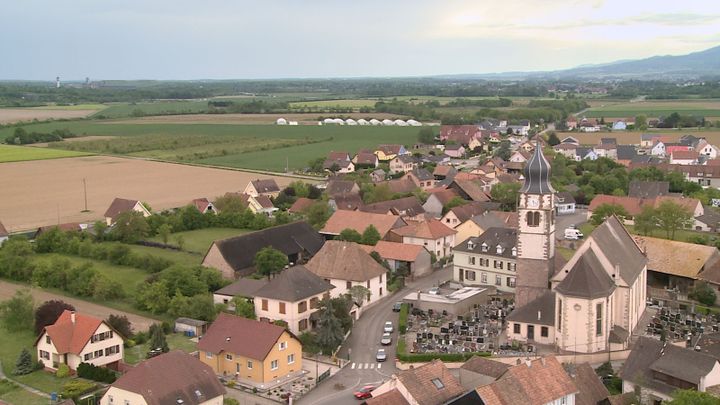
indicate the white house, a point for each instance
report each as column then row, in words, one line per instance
column 706, row 149
column 489, row 259
column 658, row 149
column 564, row 203
column 432, row 234
column 122, row 205
column 76, row 338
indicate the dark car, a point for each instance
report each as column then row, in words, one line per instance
column 397, row 306
column 364, row 392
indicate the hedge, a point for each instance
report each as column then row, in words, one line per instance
column 95, row 373
column 402, row 322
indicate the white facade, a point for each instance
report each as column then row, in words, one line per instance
column 296, row 314
column 441, row 247
column 96, row 352
column 376, row 285
column 117, row 396
column 476, row 269
column 658, row 149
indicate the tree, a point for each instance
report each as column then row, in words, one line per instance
column 503, row 151
column 506, row 194
column 100, row 229
column 426, row 136
column 359, row 294
column 230, row 203
column 553, row 138
column 376, row 193
column 158, row 342
column 24, row 364
column 645, row 221
column 454, row 202
column 180, row 242
column 47, row 313
column 121, row 324
column 641, row 122
column 164, row 231
column 703, row 293
column 671, row 216
column 371, row 236
column 330, row 332
column 17, row 312
column 244, row 308
column 269, row 261
column 349, row 235
column 131, row 227
column 318, row 214
column 691, row 397
column 605, row 211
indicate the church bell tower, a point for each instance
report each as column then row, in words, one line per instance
column 536, row 232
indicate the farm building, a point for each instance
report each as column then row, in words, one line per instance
column 122, row 205
column 190, row 327
column 374, row 122
column 414, row 123
column 362, row 121
column 388, row 122
column 281, row 121
column 401, row 123
column 350, row 121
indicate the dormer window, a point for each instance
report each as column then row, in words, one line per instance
column 514, row 251
column 470, row 245
column 499, row 249
column 484, row 247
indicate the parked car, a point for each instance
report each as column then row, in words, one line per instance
column 386, row 339
column 388, row 328
column 365, row 392
column 397, row 306
column 573, row 234
column 381, row 355
column 434, row 291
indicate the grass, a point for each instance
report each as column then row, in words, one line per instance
column 566, row 253
column 346, row 103
column 135, row 354
column 650, row 112
column 155, row 108
column 654, row 108
column 681, row 235
column 199, row 241
column 13, row 394
column 72, row 107
column 10, row 153
column 178, row 257
column 128, row 277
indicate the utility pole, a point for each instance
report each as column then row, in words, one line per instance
column 85, row 189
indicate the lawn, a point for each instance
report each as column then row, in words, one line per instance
column 13, row 394
column 199, row 241
column 10, row 153
column 72, row 107
column 178, row 341
column 128, row 277
column 342, row 103
column 187, row 258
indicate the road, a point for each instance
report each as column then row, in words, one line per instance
column 139, row 323
column 578, row 218
column 362, row 345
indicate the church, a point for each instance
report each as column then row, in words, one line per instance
column 590, row 304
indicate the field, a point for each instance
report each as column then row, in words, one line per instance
column 154, row 108
column 249, row 119
column 129, row 277
column 10, row 153
column 12, row 115
column 175, row 341
column 653, row 108
column 51, row 191
column 199, row 241
column 633, row 137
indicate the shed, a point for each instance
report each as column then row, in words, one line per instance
column 190, row 327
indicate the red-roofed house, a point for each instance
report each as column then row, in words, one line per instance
column 437, row 200
column 76, row 338
column 204, row 205
column 415, row 258
column 431, row 234
column 683, row 157
column 3, row 234
column 122, row 205
column 300, row 205
column 257, row 351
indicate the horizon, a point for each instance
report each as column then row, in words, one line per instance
column 283, row 40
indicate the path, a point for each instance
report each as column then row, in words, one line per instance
column 139, row 323
column 23, row 386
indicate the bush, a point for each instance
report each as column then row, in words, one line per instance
column 75, row 388
column 140, row 338
column 95, row 373
column 63, row 371
column 703, row 293
column 402, row 322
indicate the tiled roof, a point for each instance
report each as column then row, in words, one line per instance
column 587, row 278
column 119, row 206
column 294, row 284
column 402, row 206
column 429, row 229
column 338, row 155
column 540, row 311
column 240, row 336
column 443, row 170
column 419, row 382
column 506, row 238
column 401, row 185
column 392, row 397
column 648, row 189
column 365, row 158
column 71, row 337
column 590, row 387
column 445, row 196
column 344, row 261
column 485, row 366
column 469, row 210
column 264, row 201
column 684, row 154
column 335, row 187
column 201, row 204
column 677, row 258
column 347, row 202
column 390, row 149
column 395, row 251
column 244, row 287
column 171, row 378
column 631, row 205
column 619, row 248
column 300, row 205
column 265, row 186
column 471, row 188
column 358, row 221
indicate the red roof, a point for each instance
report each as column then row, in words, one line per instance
column 684, row 154
column 240, row 336
column 300, row 205
column 395, row 251
column 3, row 231
column 462, row 134
column 71, row 337
column 430, row 229
column 632, row 205
column 445, row 196
column 201, row 204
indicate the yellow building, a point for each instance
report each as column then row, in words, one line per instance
column 257, row 351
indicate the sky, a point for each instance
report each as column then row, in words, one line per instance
column 237, row 39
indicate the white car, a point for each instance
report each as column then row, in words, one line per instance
column 434, row 291
column 388, row 328
column 381, row 355
column 386, row 339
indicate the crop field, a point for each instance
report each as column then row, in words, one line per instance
column 654, row 108
column 13, row 115
column 249, row 119
column 154, row 108
column 9, row 153
column 633, row 137
column 51, row 191
column 348, row 103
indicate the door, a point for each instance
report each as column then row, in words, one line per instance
column 462, row 275
column 531, row 332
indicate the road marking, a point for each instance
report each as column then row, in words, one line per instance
column 372, row 365
column 353, row 366
column 379, row 365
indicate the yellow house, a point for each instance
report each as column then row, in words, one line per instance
column 249, row 350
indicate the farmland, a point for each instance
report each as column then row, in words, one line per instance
column 154, row 108
column 51, row 191
column 654, row 108
column 12, row 115
column 10, row 153
column 633, row 137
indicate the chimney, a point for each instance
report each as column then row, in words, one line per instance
column 617, row 269
column 539, row 315
column 72, row 316
column 528, row 362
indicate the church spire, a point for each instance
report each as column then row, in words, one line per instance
column 537, row 173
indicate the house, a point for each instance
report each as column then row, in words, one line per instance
column 648, row 189
column 455, row 151
column 122, row 205
column 626, row 154
column 469, row 190
column 292, row 296
column 478, row 224
column 3, row 234
column 619, row 126
column 705, row 149
column 377, row 175
column 301, row 205
column 460, row 134
column 389, row 152
column 683, row 157
column 341, row 187
column 656, row 369
column 442, row 172
column 339, row 166
column 437, row 238
column 171, row 378
column 538, row 381
column 344, row 265
column 457, row 215
column 658, row 149
column 346, row 202
column 67, row 227
column 400, row 186
column 520, row 156
column 709, row 221
column 633, row 206
column 359, row 221
column 204, row 205
column 416, row 259
column 569, row 150
column 258, row 352
column 403, row 164
column 260, row 204
column 338, row 156
column 365, row 160
column 429, row 384
column 437, row 200
column 405, row 207
column 266, row 187
column 489, row 259
column 235, row 256
column 242, row 288
column 190, row 327
column 422, row 178
column 564, row 203
column 77, row 338
column 571, row 123
column 479, row 371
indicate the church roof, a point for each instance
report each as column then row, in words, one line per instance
column 620, row 248
column 540, row 311
column 587, row 278
column 537, row 174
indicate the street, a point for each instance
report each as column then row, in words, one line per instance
column 362, row 344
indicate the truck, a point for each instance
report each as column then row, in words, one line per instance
column 573, row 234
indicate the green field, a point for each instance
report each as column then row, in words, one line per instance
column 177, row 341
column 10, row 153
column 654, row 108
column 184, row 258
column 73, row 107
column 346, row 103
column 128, row 277
column 199, row 241
column 13, row 394
column 263, row 147
column 155, row 108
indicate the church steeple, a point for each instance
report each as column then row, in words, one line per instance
column 537, row 173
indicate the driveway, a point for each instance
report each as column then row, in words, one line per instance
column 577, row 218
column 139, row 323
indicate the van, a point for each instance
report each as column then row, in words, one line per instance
column 573, row 234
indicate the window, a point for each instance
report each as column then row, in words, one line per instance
column 512, row 266
column 348, row 285
column 498, row 280
column 499, row 249
column 302, row 325
column 249, row 365
column 483, row 278
column 264, row 305
column 282, row 307
column 559, row 315
column 471, row 259
column 47, row 339
column 598, row 319
column 87, row 356
column 516, row 328
column 302, row 307
column 283, row 345
column 291, row 358
column 510, row 282
column 208, row 355
column 368, row 284
column 381, row 279
column 532, row 218
column 514, row 251
column 274, row 365
column 437, row 383
column 112, row 350
column 381, row 291
column 544, row 331
column 44, row 355
column 98, row 353
column 110, row 399
column 228, row 356
column 484, row 247
column 469, row 275
column 314, row 302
